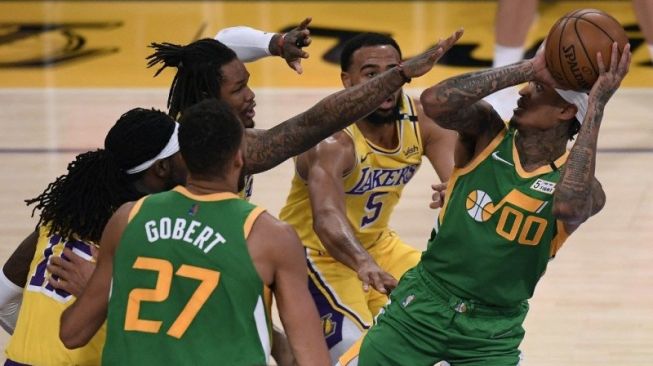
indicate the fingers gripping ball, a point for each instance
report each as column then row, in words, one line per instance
column 573, row 42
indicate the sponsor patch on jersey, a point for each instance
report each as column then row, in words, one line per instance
column 411, row 151
column 543, row 186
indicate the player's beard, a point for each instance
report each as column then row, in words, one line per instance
column 384, row 117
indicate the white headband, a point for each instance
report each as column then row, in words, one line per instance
column 578, row 99
column 171, row 148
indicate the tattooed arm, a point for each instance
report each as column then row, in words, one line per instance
column 456, row 104
column 579, row 195
column 268, row 148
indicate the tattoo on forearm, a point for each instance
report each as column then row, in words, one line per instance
column 266, row 149
column 468, row 88
column 576, row 185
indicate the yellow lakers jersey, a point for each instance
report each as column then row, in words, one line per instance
column 372, row 188
column 247, row 191
column 36, row 338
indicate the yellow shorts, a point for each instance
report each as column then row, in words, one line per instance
column 338, row 293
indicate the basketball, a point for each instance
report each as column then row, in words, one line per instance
column 573, row 42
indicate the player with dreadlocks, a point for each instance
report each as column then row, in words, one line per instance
column 207, row 68
column 140, row 156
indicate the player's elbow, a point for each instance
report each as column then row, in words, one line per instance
column 570, row 213
column 321, row 224
column 325, row 225
column 70, row 337
column 432, row 108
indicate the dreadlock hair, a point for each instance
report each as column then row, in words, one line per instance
column 209, row 136
column 367, row 39
column 80, row 202
column 199, row 74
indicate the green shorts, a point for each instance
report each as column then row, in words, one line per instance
column 425, row 324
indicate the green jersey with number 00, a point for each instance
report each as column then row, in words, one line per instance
column 496, row 231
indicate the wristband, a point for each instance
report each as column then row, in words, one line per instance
column 281, row 42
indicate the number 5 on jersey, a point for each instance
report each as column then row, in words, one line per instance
column 209, row 281
column 373, row 208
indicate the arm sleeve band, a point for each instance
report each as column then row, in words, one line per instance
column 249, row 44
column 11, row 297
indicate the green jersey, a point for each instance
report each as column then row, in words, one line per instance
column 496, row 231
column 184, row 289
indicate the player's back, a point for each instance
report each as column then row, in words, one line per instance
column 36, row 338
column 185, row 289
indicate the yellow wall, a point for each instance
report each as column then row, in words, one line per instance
column 115, row 35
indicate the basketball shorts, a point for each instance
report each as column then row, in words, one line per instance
column 424, row 324
column 345, row 309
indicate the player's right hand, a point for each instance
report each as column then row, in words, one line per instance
column 372, row 275
column 72, row 273
column 437, row 199
column 610, row 78
column 423, row 63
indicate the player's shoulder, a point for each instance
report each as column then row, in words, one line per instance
column 275, row 231
column 338, row 143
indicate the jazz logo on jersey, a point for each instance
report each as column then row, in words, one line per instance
column 522, row 224
column 543, row 186
column 374, row 178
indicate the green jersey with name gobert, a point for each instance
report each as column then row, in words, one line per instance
column 496, row 231
column 184, row 289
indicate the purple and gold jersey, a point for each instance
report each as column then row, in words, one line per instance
column 36, row 338
column 372, row 188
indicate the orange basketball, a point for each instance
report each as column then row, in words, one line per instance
column 573, row 42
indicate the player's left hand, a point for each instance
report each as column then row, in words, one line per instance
column 437, row 199
column 423, row 63
column 292, row 44
column 610, row 79
column 72, row 273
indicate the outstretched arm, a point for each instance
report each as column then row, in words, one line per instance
column 252, row 44
column 325, row 166
column 83, row 318
column 579, row 195
column 456, row 104
column 267, row 149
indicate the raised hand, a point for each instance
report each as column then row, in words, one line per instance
column 542, row 73
column 372, row 275
column 291, row 45
column 423, row 63
column 610, row 79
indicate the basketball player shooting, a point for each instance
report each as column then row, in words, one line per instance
column 514, row 197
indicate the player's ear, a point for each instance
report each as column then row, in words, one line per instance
column 162, row 168
column 239, row 160
column 346, row 80
column 568, row 112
